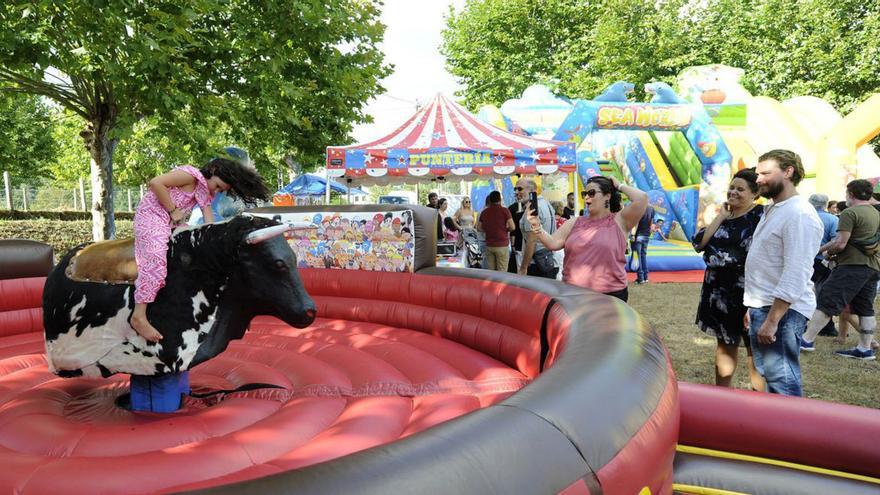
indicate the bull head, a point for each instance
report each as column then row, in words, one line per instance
column 263, row 234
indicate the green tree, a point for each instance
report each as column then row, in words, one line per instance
column 72, row 159
column 289, row 76
column 824, row 48
column 26, row 146
column 497, row 48
column 155, row 146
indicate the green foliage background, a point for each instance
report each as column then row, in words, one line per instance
column 824, row 48
column 27, row 148
column 173, row 83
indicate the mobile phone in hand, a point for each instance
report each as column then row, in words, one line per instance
column 533, row 200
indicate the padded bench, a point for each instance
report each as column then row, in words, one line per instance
column 24, row 266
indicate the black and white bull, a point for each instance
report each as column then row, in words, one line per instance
column 219, row 277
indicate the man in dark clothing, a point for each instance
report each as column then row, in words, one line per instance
column 568, row 211
column 820, row 267
column 640, row 245
column 432, row 200
column 516, row 237
column 433, row 203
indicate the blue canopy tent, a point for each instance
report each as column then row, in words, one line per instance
column 314, row 186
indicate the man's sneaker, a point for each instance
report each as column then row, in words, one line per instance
column 855, row 353
column 807, row 346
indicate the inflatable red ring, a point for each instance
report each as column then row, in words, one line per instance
column 441, row 411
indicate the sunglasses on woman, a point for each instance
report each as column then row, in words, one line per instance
column 591, row 193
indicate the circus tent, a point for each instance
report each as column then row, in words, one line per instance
column 443, row 140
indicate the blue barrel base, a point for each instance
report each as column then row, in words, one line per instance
column 160, row 394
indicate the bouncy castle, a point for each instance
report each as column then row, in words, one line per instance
column 683, row 146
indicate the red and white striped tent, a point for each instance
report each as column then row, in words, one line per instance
column 444, row 140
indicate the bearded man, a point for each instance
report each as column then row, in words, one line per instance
column 778, row 290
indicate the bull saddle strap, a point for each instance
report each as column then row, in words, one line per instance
column 243, row 388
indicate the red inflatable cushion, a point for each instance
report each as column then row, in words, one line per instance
column 500, row 320
column 804, row 431
column 21, row 302
column 346, row 386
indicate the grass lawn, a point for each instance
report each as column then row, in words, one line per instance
column 671, row 309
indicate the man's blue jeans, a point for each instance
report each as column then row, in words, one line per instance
column 640, row 247
column 779, row 362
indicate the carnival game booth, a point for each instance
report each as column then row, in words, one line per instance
column 411, row 379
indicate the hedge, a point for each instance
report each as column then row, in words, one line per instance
column 57, row 215
column 62, row 235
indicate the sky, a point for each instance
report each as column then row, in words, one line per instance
column 412, row 45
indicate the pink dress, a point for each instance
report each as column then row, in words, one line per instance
column 595, row 255
column 152, row 230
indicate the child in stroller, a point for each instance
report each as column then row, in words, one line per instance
column 468, row 243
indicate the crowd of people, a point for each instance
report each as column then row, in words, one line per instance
column 522, row 237
column 776, row 274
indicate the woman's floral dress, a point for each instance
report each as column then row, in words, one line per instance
column 721, row 310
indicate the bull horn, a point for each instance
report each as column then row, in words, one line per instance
column 302, row 225
column 263, row 234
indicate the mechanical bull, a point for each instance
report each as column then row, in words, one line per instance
column 219, row 277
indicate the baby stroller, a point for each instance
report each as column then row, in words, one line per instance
column 473, row 256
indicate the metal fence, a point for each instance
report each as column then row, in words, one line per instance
column 34, row 197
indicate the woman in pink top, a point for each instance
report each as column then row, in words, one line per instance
column 595, row 244
column 171, row 198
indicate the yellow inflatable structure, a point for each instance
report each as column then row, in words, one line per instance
column 833, row 148
column 838, row 152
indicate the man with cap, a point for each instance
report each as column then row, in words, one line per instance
column 820, row 268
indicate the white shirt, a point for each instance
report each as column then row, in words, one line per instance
column 780, row 260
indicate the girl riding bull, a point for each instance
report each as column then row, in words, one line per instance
column 167, row 205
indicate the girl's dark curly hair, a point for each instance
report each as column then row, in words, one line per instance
column 607, row 187
column 244, row 181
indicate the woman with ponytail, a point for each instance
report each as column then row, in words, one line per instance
column 595, row 245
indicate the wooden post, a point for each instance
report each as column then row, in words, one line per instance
column 128, row 191
column 8, row 189
column 82, row 194
column 24, row 198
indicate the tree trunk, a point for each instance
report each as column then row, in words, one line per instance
column 101, row 148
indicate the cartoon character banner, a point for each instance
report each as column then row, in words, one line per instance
column 374, row 241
